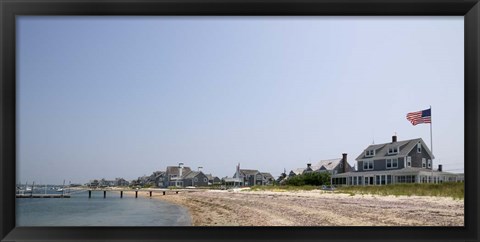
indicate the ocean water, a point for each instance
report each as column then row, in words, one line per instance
column 79, row 210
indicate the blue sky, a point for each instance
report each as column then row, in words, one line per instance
column 125, row 96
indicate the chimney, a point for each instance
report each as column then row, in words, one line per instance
column 439, row 167
column 309, row 165
column 344, row 162
column 394, row 138
column 180, row 166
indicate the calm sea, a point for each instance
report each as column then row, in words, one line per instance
column 79, row 210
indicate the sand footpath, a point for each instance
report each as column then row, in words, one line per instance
column 313, row 208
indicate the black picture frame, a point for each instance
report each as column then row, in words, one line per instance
column 470, row 9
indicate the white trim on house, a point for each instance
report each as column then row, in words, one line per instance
column 408, row 160
column 419, row 147
column 370, row 153
column 424, row 163
column 393, row 150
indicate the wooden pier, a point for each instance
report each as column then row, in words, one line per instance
column 42, row 196
column 90, row 191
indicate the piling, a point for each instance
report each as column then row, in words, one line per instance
column 176, row 192
column 136, row 194
column 121, row 194
column 89, row 193
column 104, row 194
column 164, row 193
column 150, row 193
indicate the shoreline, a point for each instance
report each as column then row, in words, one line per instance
column 313, row 208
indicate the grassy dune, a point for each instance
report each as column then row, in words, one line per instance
column 447, row 189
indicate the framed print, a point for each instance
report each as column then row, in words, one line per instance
column 241, row 120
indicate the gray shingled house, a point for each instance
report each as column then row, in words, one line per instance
column 247, row 177
column 297, row 171
column 195, row 179
column 174, row 174
column 407, row 161
column 213, row 180
column 160, row 178
column 333, row 166
column 268, row 179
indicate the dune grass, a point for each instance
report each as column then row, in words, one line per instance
column 284, row 188
column 455, row 190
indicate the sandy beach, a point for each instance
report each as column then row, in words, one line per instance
column 313, row 208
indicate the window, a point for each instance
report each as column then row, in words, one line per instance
column 195, row 179
column 205, row 179
column 419, row 148
column 424, row 163
column 368, row 165
column 429, row 163
column 393, row 150
column 392, row 163
column 409, row 161
column 370, row 153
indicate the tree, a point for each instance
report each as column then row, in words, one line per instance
column 281, row 177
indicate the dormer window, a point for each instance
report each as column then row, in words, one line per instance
column 392, row 150
column 419, row 148
column 369, row 153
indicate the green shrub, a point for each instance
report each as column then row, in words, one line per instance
column 311, row 179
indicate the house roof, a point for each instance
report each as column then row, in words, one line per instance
column 249, row 172
column 298, row 171
column 381, row 150
column 175, row 170
column 209, row 176
column 158, row 174
column 328, row 164
column 191, row 174
column 267, row 175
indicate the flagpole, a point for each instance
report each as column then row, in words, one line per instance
column 431, row 139
column 431, row 144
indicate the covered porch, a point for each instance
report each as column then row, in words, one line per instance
column 393, row 177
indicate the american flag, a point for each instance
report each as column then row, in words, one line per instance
column 420, row 117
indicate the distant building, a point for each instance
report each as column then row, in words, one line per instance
column 194, row 179
column 173, row 175
column 213, row 180
column 93, row 183
column 159, row 179
column 268, row 179
column 120, row 182
column 106, row 183
column 247, row 177
column 333, row 166
column 296, row 171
